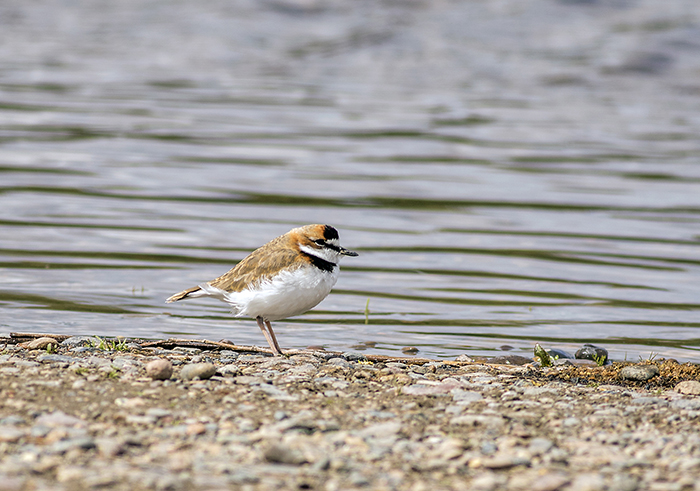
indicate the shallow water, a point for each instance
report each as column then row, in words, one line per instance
column 509, row 173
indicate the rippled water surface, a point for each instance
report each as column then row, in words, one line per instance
column 510, row 172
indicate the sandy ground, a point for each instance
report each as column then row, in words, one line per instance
column 80, row 415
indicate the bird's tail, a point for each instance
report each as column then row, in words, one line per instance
column 185, row 294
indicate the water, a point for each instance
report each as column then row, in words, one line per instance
column 509, row 173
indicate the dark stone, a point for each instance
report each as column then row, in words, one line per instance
column 591, row 352
column 560, row 354
column 354, row 357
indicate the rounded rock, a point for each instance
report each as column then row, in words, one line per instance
column 282, row 454
column 592, row 352
column 560, row 354
column 690, row 387
column 160, row 369
column 40, row 343
column 509, row 360
column 203, row 371
column 640, row 373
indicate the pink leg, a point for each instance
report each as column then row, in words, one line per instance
column 266, row 328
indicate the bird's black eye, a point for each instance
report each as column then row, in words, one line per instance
column 320, row 242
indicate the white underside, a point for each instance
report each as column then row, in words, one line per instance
column 288, row 294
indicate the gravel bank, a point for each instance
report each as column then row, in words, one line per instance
column 83, row 417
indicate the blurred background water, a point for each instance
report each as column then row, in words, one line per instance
column 510, row 171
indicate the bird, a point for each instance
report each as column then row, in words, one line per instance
column 288, row 276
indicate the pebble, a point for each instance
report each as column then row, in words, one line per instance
column 301, row 422
column 340, row 362
column 593, row 353
column 510, row 360
column 463, row 397
column 58, row 419
column 160, row 369
column 40, row 343
column 203, row 371
column 641, row 373
column 560, row 354
column 63, row 446
column 464, row 358
column 429, row 390
column 11, row 434
column 282, row 454
column 56, row 359
column 689, row 387
column 504, row 461
column 82, row 341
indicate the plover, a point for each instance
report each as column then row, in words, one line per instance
column 285, row 277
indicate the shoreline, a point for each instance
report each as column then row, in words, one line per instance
column 77, row 416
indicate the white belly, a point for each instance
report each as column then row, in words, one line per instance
column 288, row 294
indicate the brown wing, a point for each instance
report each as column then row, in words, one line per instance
column 260, row 265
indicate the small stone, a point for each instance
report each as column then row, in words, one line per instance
column 688, row 404
column 85, row 341
column 69, row 473
column 160, row 369
column 56, row 359
column 422, row 389
column 592, row 352
column 229, row 370
column 551, row 482
column 187, row 350
column 340, row 362
column 63, row 446
column 587, row 482
column 624, row 482
column 464, row 397
column 125, row 362
column 559, row 354
column 12, row 419
column 639, row 372
column 464, row 358
column 355, row 357
column 575, row 362
column 539, row 446
column 282, row 454
column 196, row 429
column 40, row 343
column 10, row 434
column 489, row 481
column 58, row 419
column 504, row 462
column 509, row 360
column 409, row 350
column 690, row 387
column 203, row 371
column 478, row 420
column 157, row 412
column 109, row 447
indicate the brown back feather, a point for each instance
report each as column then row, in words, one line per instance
column 259, row 266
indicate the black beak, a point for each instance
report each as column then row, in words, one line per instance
column 345, row 252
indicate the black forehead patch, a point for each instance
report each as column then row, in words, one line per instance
column 329, row 233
